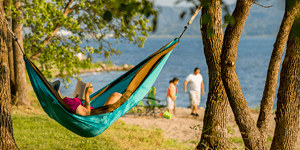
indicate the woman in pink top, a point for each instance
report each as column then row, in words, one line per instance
column 85, row 108
column 172, row 94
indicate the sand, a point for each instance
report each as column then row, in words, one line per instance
column 181, row 124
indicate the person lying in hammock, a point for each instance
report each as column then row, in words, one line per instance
column 83, row 92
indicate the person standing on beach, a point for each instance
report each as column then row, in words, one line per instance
column 172, row 94
column 195, row 82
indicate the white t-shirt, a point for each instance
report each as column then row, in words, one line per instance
column 194, row 82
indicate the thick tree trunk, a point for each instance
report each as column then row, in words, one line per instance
column 287, row 114
column 246, row 124
column 20, row 76
column 6, row 135
column 10, row 54
column 274, row 66
column 214, row 135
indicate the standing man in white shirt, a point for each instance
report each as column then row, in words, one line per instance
column 195, row 82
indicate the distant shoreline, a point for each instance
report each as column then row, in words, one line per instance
column 103, row 68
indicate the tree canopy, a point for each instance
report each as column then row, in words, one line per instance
column 54, row 30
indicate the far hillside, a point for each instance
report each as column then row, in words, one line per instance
column 261, row 21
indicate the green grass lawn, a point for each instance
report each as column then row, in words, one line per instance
column 33, row 129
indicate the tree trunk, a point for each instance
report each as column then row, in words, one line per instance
column 6, row 135
column 274, row 66
column 10, row 54
column 287, row 114
column 20, row 76
column 245, row 122
column 255, row 136
column 214, row 132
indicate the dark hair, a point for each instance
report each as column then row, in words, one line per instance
column 174, row 79
column 196, row 69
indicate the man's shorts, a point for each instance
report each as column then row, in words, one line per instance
column 171, row 103
column 195, row 97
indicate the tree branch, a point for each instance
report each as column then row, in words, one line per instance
column 262, row 5
column 48, row 38
column 73, row 8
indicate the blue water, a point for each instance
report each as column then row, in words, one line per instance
column 252, row 64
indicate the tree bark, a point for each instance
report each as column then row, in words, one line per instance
column 287, row 114
column 10, row 54
column 274, row 66
column 9, row 44
column 255, row 136
column 6, row 135
column 20, row 76
column 214, row 132
column 245, row 122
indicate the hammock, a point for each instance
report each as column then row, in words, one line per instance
column 134, row 85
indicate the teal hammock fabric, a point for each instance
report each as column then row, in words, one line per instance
column 134, row 85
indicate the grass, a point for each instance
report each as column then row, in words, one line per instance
column 98, row 64
column 236, row 140
column 40, row 132
column 270, row 138
column 136, row 110
column 230, row 130
column 33, row 129
column 255, row 109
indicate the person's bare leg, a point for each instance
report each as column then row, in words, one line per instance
column 170, row 111
column 196, row 109
column 114, row 97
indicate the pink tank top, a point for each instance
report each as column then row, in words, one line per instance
column 168, row 93
column 73, row 103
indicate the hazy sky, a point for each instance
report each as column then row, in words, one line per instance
column 171, row 2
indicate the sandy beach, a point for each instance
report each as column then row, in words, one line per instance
column 180, row 126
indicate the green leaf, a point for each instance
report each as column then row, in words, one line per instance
column 229, row 19
column 107, row 16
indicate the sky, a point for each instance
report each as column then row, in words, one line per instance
column 172, row 2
